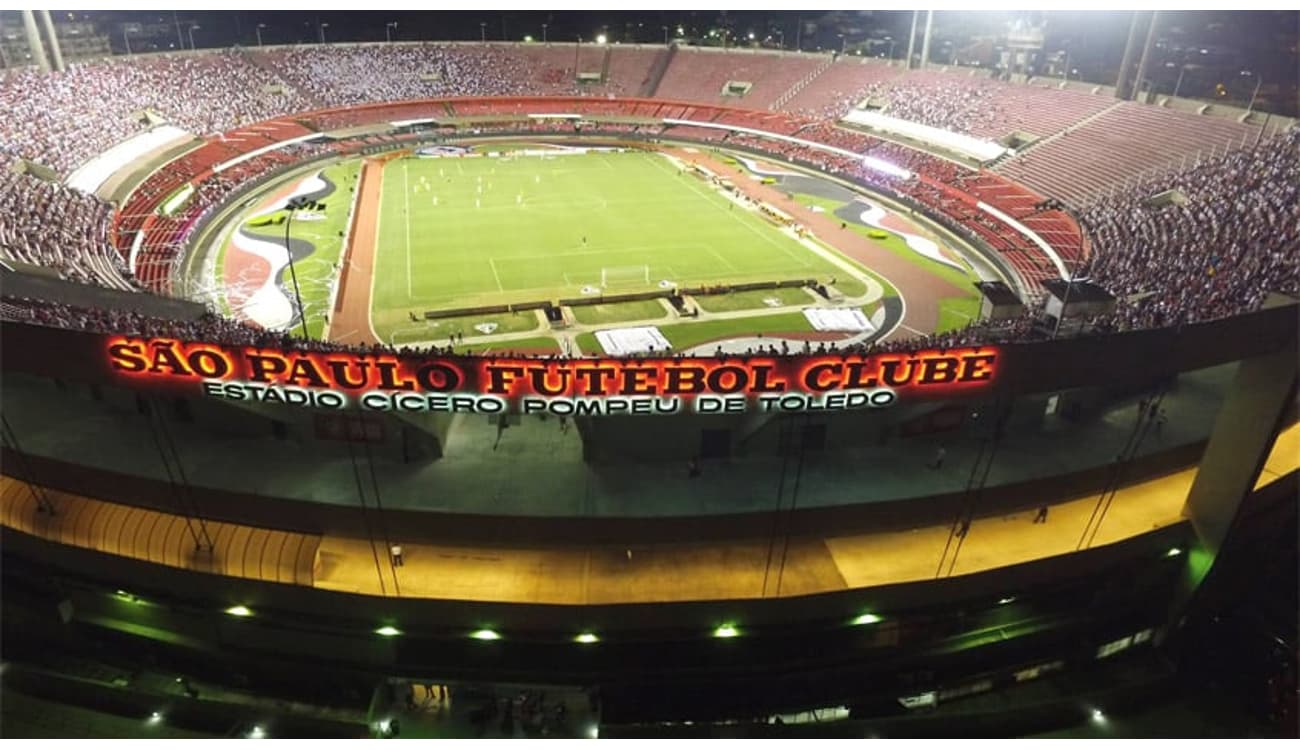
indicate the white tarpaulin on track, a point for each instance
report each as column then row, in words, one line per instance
column 622, row 341
column 846, row 319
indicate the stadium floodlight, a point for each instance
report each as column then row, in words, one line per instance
column 601, row 39
column 127, row 30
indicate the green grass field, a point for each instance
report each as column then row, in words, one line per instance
column 755, row 300
column 535, row 345
column 958, row 312
column 479, row 231
column 687, row 335
column 439, row 330
column 619, row 312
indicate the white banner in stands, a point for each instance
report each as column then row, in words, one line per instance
column 621, row 341
column 846, row 319
column 966, row 145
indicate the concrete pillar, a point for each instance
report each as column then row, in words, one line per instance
column 911, row 39
column 34, row 41
column 1121, row 83
column 925, row 40
column 57, row 53
column 1146, row 53
column 1244, row 432
column 1243, row 435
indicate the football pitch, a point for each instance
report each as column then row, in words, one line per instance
column 466, row 232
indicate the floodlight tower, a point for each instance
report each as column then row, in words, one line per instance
column 925, row 40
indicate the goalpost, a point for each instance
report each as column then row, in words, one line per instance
column 624, row 276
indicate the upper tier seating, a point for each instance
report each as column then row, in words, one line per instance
column 552, row 68
column 970, row 102
column 840, row 87
column 697, row 75
column 338, row 76
column 1097, row 157
column 1236, row 238
column 62, row 120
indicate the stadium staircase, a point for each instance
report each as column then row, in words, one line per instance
column 604, row 65
column 657, row 71
column 799, row 85
column 1058, row 134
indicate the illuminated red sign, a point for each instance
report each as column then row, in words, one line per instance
column 386, row 382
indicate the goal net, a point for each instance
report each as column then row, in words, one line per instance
column 624, row 276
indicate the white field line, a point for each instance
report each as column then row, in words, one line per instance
column 496, row 275
column 690, row 184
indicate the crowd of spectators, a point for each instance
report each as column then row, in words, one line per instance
column 49, row 224
column 1235, row 238
column 63, row 119
column 213, row 328
column 341, row 76
column 959, row 105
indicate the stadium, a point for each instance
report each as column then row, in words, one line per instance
column 575, row 388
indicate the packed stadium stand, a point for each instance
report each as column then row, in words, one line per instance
column 1236, row 238
column 61, row 228
column 1091, row 152
column 68, row 117
column 215, row 545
